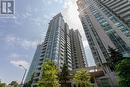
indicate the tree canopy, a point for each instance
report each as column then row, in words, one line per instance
column 115, row 58
column 64, row 80
column 123, row 72
column 14, row 84
column 82, row 77
column 3, row 85
column 28, row 84
column 49, row 75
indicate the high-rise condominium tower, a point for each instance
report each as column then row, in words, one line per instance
column 78, row 53
column 34, row 63
column 121, row 8
column 103, row 29
column 57, row 47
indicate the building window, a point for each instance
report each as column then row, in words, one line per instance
column 129, row 24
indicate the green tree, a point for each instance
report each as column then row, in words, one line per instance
column 115, row 58
column 3, row 85
column 49, row 75
column 123, row 72
column 14, row 84
column 28, row 84
column 64, row 80
column 82, row 78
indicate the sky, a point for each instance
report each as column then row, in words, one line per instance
column 20, row 35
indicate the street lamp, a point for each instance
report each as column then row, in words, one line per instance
column 25, row 70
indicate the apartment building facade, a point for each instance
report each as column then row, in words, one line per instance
column 77, row 50
column 57, row 47
column 103, row 29
column 121, row 8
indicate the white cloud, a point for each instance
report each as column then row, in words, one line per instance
column 17, row 60
column 28, row 12
column 24, row 43
column 49, row 2
column 28, row 44
column 67, row 3
column 20, row 62
column 71, row 15
column 52, row 1
column 60, row 1
column 10, row 39
column 18, row 19
column 14, row 56
column 46, row 16
column 56, row 0
column 26, row 15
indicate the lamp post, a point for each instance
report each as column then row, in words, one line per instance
column 25, row 70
